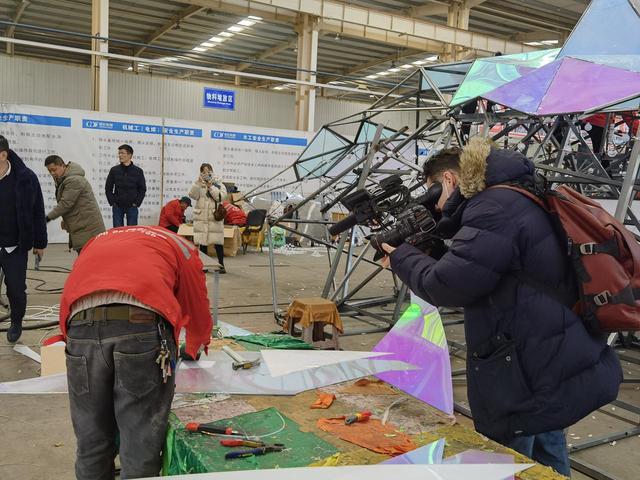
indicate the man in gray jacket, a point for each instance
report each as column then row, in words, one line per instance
column 77, row 205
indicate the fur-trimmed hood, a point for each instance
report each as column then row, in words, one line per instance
column 483, row 165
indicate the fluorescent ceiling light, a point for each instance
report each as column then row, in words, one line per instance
column 549, row 42
column 371, row 76
column 207, row 44
column 382, row 74
column 235, row 28
column 199, row 49
column 419, row 62
column 533, row 44
column 393, row 70
column 432, row 58
column 254, row 18
column 169, row 59
column 278, row 88
column 222, row 34
column 406, row 66
column 130, row 68
column 217, row 39
column 247, row 23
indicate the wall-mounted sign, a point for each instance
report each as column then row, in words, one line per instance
column 216, row 98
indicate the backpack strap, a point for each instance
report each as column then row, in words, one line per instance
column 525, row 192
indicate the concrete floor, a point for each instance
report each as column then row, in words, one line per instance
column 37, row 438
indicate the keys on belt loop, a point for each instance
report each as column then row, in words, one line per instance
column 164, row 357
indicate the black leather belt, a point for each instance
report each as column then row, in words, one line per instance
column 118, row 311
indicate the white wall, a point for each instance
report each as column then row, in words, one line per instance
column 37, row 82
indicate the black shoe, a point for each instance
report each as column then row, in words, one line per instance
column 222, row 269
column 14, row 333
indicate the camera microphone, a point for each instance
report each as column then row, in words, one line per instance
column 344, row 224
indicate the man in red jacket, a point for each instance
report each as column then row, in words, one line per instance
column 235, row 215
column 172, row 214
column 126, row 300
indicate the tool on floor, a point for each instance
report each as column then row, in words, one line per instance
column 198, row 427
column 357, row 417
column 278, row 447
column 239, row 362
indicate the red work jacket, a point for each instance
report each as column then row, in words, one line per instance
column 171, row 214
column 153, row 265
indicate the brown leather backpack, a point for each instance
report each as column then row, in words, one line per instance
column 605, row 256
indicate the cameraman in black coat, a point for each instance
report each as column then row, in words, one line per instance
column 125, row 188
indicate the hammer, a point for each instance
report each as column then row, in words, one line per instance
column 240, row 362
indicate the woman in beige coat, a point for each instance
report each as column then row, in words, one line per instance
column 208, row 191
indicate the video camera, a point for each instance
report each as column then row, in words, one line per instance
column 414, row 217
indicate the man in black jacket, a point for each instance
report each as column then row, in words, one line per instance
column 22, row 227
column 125, row 188
column 533, row 369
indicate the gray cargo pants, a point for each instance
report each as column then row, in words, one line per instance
column 115, row 385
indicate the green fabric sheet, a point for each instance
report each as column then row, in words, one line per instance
column 271, row 340
column 187, row 452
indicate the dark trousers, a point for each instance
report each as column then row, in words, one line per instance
column 219, row 252
column 14, row 266
column 119, row 214
column 173, row 228
column 116, row 386
column 549, row 448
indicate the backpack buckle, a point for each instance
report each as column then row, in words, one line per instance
column 602, row 298
column 588, row 248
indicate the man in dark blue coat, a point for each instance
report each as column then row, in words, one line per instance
column 125, row 188
column 22, row 227
column 532, row 367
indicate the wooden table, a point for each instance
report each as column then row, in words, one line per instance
column 422, row 422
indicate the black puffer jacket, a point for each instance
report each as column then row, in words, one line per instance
column 532, row 366
column 125, row 186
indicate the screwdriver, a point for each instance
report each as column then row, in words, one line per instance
column 254, row 451
column 357, row 417
column 198, row 427
column 241, row 443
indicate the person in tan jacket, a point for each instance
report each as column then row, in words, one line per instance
column 209, row 192
column 77, row 205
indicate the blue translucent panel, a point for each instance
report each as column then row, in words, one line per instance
column 446, row 77
column 626, row 62
column 321, row 154
column 368, row 131
column 608, row 27
column 629, row 105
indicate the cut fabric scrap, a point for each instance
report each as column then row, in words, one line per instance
column 371, row 435
column 367, row 386
column 430, row 454
column 324, row 400
column 418, row 338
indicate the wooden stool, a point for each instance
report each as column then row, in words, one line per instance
column 312, row 315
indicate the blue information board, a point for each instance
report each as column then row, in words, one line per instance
column 216, row 98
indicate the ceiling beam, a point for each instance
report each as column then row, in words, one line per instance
column 276, row 49
column 20, row 8
column 170, row 25
column 436, row 7
column 397, row 30
column 537, row 36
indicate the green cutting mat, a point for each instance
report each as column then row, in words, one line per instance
column 187, row 452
